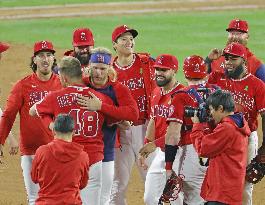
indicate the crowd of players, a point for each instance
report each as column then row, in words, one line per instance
column 86, row 121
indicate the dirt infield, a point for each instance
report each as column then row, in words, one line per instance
column 14, row 66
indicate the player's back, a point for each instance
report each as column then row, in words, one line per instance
column 88, row 124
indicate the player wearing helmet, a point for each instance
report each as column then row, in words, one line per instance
column 179, row 129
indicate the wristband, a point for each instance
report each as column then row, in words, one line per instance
column 170, row 152
column 169, row 165
column 207, row 60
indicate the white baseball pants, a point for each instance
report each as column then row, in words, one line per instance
column 90, row 195
column 193, row 172
column 107, row 181
column 132, row 141
column 156, row 180
column 252, row 152
column 31, row 188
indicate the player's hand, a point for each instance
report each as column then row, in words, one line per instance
column 141, row 161
column 51, row 125
column 92, row 103
column 195, row 118
column 215, row 54
column 124, row 125
column 13, row 145
column 147, row 149
column 168, row 174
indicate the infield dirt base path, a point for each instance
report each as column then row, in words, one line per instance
column 14, row 66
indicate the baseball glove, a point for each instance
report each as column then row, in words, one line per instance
column 172, row 188
column 256, row 169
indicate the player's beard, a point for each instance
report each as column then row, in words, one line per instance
column 83, row 58
column 235, row 39
column 236, row 72
column 163, row 83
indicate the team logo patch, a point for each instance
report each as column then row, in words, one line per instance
column 100, row 58
column 246, row 88
column 83, row 36
column 44, row 45
column 160, row 60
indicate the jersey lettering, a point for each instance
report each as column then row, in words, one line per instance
column 86, row 122
column 134, row 83
column 36, row 96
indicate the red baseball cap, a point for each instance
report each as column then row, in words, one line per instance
column 83, row 37
column 166, row 61
column 238, row 25
column 43, row 45
column 194, row 67
column 118, row 31
column 3, row 47
column 236, row 49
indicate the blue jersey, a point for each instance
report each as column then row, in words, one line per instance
column 109, row 133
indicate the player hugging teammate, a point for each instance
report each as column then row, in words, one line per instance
column 203, row 137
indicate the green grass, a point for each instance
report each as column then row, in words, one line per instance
column 19, row 3
column 181, row 34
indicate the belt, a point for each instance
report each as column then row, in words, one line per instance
column 138, row 122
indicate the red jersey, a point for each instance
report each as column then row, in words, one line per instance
column 24, row 94
column 226, row 147
column 139, row 78
column 253, row 63
column 160, row 109
column 248, row 94
column 179, row 102
column 88, row 124
column 61, row 170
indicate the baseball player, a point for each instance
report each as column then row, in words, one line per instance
column 101, row 79
column 83, row 42
column 166, row 67
column 226, row 148
column 13, row 145
column 60, row 167
column 237, row 32
column 89, row 123
column 179, row 129
column 137, row 73
column 24, row 94
column 249, row 95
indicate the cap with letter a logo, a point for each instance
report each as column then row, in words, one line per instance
column 118, row 31
column 43, row 46
column 83, row 37
column 235, row 49
column 166, row 61
column 238, row 25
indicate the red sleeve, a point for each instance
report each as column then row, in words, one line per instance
column 127, row 108
column 85, row 177
column 213, row 144
column 177, row 107
column 14, row 104
column 46, row 120
column 212, row 78
column 260, row 96
column 34, row 169
column 46, row 107
column 160, row 142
